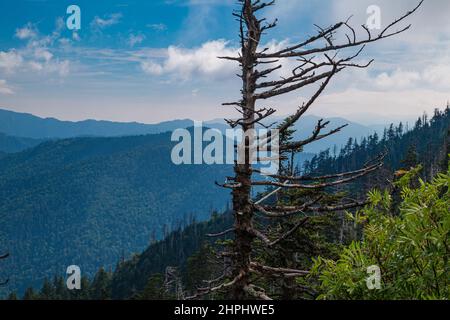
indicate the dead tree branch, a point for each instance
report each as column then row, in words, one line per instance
column 317, row 61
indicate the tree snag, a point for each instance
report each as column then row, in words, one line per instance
column 318, row 58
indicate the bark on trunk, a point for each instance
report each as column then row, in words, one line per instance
column 242, row 205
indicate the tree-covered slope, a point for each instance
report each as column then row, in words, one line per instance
column 88, row 201
column 425, row 144
column 10, row 144
column 427, row 140
column 132, row 276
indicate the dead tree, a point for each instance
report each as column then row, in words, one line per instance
column 319, row 58
column 173, row 284
column 1, row 258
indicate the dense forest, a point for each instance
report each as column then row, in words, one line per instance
column 410, row 192
column 10, row 144
column 103, row 210
column 404, row 147
column 90, row 201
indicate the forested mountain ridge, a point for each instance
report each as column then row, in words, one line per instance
column 89, row 201
column 30, row 126
column 131, row 276
column 10, row 144
column 426, row 143
column 306, row 125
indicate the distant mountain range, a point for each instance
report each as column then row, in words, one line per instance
column 306, row 125
column 25, row 125
column 30, row 126
column 88, row 201
column 88, row 192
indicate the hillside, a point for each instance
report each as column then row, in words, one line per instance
column 94, row 201
column 132, row 276
column 88, row 201
column 424, row 143
column 9, row 144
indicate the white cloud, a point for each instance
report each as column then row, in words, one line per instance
column 399, row 104
column 10, row 60
column 36, row 66
column 411, row 72
column 157, row 26
column 399, row 79
column 60, row 67
column 4, row 88
column 107, row 21
column 27, row 32
column 152, row 68
column 43, row 54
column 428, row 21
column 438, row 76
column 39, row 53
column 135, row 39
column 200, row 62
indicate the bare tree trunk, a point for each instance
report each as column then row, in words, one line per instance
column 242, row 206
column 243, row 236
column 259, row 84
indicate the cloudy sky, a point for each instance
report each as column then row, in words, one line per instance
column 150, row 61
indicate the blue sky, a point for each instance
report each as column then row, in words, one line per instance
column 150, row 61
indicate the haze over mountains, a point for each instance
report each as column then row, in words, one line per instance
column 88, row 192
column 89, row 201
column 30, row 126
column 23, row 125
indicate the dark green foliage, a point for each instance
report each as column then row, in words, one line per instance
column 202, row 266
column 411, row 158
column 154, row 290
column 410, row 249
column 48, row 291
column 192, row 253
column 12, row 296
column 57, row 290
column 424, row 141
column 132, row 276
column 91, row 201
column 101, row 286
column 30, row 294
